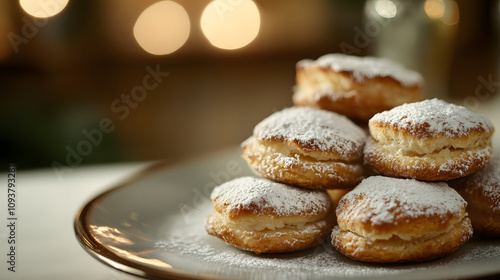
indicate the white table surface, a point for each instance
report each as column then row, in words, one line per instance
column 46, row 244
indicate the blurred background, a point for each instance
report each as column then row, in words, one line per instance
column 85, row 82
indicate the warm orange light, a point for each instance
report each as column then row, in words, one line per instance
column 162, row 28
column 446, row 11
column 43, row 8
column 434, row 8
column 111, row 233
column 230, row 24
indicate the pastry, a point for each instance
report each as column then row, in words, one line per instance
column 388, row 219
column 307, row 147
column 263, row 216
column 357, row 87
column 335, row 196
column 430, row 140
column 482, row 192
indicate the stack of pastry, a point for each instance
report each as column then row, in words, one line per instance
column 389, row 219
column 309, row 156
column 298, row 154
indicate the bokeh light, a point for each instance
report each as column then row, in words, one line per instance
column 386, row 8
column 230, row 24
column 43, row 9
column 162, row 28
column 446, row 11
column 434, row 8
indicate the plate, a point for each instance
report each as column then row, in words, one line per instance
column 152, row 226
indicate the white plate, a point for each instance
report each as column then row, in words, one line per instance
column 153, row 226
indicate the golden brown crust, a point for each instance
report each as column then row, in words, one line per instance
column 482, row 192
column 431, row 140
column 387, row 219
column 282, row 165
column 402, row 224
column 381, row 207
column 285, row 239
column 442, row 165
column 264, row 216
column 307, row 147
column 396, row 249
column 475, row 196
column 340, row 92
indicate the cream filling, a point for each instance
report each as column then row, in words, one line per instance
column 402, row 144
column 416, row 148
column 266, row 222
column 290, row 150
column 306, row 93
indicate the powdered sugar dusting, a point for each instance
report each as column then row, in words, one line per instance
column 261, row 194
column 381, row 195
column 185, row 244
column 366, row 67
column 313, row 129
column 488, row 180
column 434, row 117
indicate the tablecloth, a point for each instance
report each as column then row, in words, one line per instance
column 45, row 208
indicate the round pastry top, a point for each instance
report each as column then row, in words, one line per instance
column 383, row 200
column 312, row 130
column 433, row 117
column 261, row 196
column 365, row 67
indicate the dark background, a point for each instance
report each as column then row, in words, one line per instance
column 59, row 85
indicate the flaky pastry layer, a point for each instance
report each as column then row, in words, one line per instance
column 284, row 164
column 290, row 237
column 404, row 226
column 449, row 162
column 263, row 222
column 408, row 143
column 395, row 249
